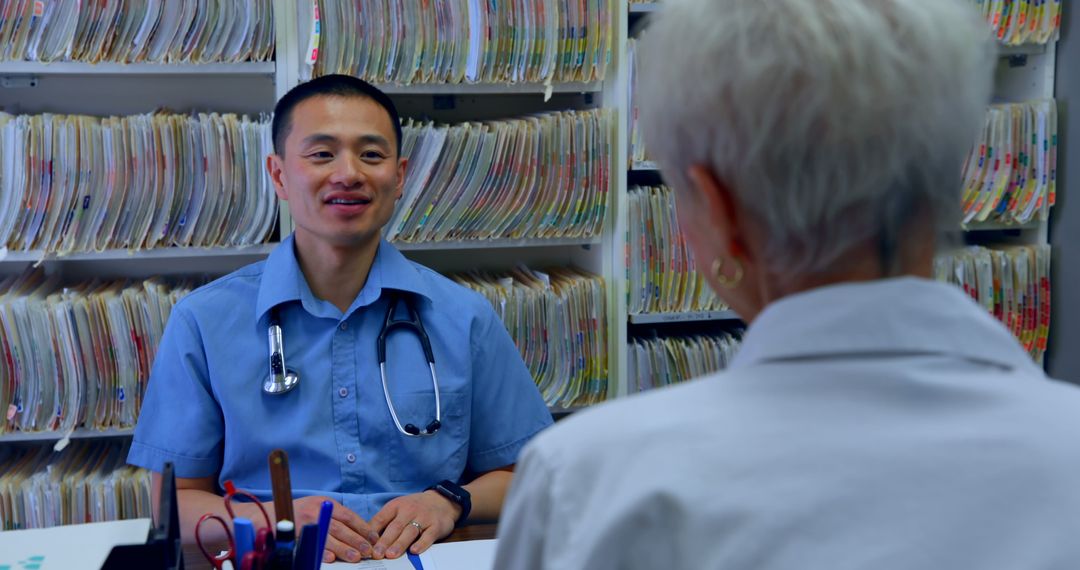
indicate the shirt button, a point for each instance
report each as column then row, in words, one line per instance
column 343, row 392
column 344, row 326
column 351, row 458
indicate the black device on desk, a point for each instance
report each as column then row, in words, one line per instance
column 162, row 549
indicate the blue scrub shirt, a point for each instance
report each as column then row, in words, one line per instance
column 206, row 412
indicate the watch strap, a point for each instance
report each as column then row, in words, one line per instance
column 456, row 494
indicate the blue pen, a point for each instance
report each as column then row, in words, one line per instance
column 325, row 512
column 282, row 558
column 415, row 559
column 306, row 558
column 244, row 532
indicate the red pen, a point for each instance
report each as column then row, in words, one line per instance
column 264, row 547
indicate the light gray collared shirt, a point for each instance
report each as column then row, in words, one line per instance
column 884, row 425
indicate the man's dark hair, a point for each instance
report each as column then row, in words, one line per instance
column 328, row 86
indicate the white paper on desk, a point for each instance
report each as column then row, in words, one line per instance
column 71, row 547
column 401, row 563
column 467, row 555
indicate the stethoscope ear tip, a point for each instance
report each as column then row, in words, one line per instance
column 280, row 383
column 414, row 431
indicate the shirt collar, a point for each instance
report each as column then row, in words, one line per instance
column 283, row 281
column 887, row 316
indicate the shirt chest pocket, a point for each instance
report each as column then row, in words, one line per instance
column 430, row 459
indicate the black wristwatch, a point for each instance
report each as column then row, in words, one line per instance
column 456, row 494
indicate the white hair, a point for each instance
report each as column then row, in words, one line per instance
column 833, row 122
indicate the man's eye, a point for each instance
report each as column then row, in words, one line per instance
column 372, row 155
column 321, row 154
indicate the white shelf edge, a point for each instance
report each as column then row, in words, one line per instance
column 999, row 226
column 265, row 249
column 124, row 254
column 646, row 8
column 652, row 318
column 1026, row 49
column 644, row 166
column 495, row 244
column 107, row 68
column 487, row 88
column 81, row 433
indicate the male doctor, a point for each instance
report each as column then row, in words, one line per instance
column 396, row 482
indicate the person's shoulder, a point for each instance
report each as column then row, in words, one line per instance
column 225, row 293
column 447, row 294
column 630, row 424
column 1052, row 402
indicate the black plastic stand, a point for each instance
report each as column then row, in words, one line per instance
column 162, row 549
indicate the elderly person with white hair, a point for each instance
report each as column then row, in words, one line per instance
column 873, row 418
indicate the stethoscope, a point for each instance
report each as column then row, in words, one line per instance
column 283, row 379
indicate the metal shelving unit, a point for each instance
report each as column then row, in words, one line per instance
column 81, row 433
column 692, row 316
column 497, row 244
column 267, row 68
column 489, row 88
column 260, row 250
column 644, row 166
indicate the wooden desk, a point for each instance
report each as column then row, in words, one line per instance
column 194, row 560
column 472, row 532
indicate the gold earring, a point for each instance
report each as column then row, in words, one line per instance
column 723, row 281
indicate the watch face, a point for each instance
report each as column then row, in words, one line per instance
column 449, row 493
column 457, row 494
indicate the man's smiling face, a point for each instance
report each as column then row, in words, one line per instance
column 340, row 172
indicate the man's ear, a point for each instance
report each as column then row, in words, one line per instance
column 402, row 168
column 719, row 211
column 275, row 168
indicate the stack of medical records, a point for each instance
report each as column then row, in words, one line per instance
column 545, row 176
column 662, row 361
column 1017, row 22
column 637, row 144
column 662, row 275
column 558, row 321
column 80, row 355
column 89, row 482
column 172, row 31
column 74, row 183
column 464, row 41
column 1010, row 176
column 1012, row 283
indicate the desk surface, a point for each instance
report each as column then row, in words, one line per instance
column 193, row 558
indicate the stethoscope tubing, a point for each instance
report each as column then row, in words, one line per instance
column 283, row 379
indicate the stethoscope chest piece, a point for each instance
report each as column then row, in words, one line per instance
column 281, row 379
column 281, row 383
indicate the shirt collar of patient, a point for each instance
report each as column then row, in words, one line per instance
column 282, row 281
column 905, row 315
